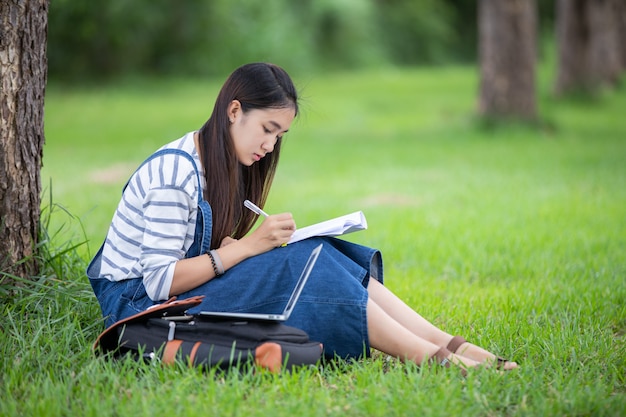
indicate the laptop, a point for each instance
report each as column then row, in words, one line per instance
column 272, row 317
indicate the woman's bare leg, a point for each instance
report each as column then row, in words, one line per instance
column 416, row 324
column 405, row 315
column 389, row 336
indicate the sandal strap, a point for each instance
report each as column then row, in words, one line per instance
column 455, row 343
column 500, row 362
column 441, row 357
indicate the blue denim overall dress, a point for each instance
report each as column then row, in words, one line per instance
column 331, row 309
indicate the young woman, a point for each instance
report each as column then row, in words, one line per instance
column 181, row 229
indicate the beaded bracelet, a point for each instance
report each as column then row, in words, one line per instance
column 216, row 262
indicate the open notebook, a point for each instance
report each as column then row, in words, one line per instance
column 275, row 317
column 334, row 227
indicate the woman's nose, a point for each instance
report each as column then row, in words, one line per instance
column 268, row 145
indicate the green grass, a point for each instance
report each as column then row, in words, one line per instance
column 514, row 237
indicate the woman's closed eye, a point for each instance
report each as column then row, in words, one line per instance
column 269, row 132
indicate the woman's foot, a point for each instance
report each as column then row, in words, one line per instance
column 461, row 347
column 443, row 357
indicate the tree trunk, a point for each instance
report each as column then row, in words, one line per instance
column 590, row 42
column 621, row 23
column 507, row 50
column 23, row 73
column 573, row 39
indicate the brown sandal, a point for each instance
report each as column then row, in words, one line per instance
column 441, row 358
column 456, row 342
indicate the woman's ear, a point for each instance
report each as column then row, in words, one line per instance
column 234, row 110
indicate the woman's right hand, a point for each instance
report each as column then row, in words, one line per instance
column 274, row 231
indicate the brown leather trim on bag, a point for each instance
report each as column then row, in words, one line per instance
column 269, row 355
column 192, row 355
column 108, row 339
column 169, row 352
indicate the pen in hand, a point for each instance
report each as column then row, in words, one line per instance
column 249, row 204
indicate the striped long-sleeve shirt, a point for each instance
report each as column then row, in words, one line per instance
column 154, row 224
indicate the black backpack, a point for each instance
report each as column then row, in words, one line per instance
column 165, row 332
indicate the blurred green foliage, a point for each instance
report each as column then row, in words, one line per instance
column 89, row 40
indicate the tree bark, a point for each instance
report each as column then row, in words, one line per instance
column 590, row 40
column 507, row 52
column 23, row 73
column 573, row 39
column 621, row 22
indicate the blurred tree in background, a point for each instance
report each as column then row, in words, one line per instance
column 508, row 53
column 591, row 39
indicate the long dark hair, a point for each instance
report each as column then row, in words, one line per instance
column 229, row 183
